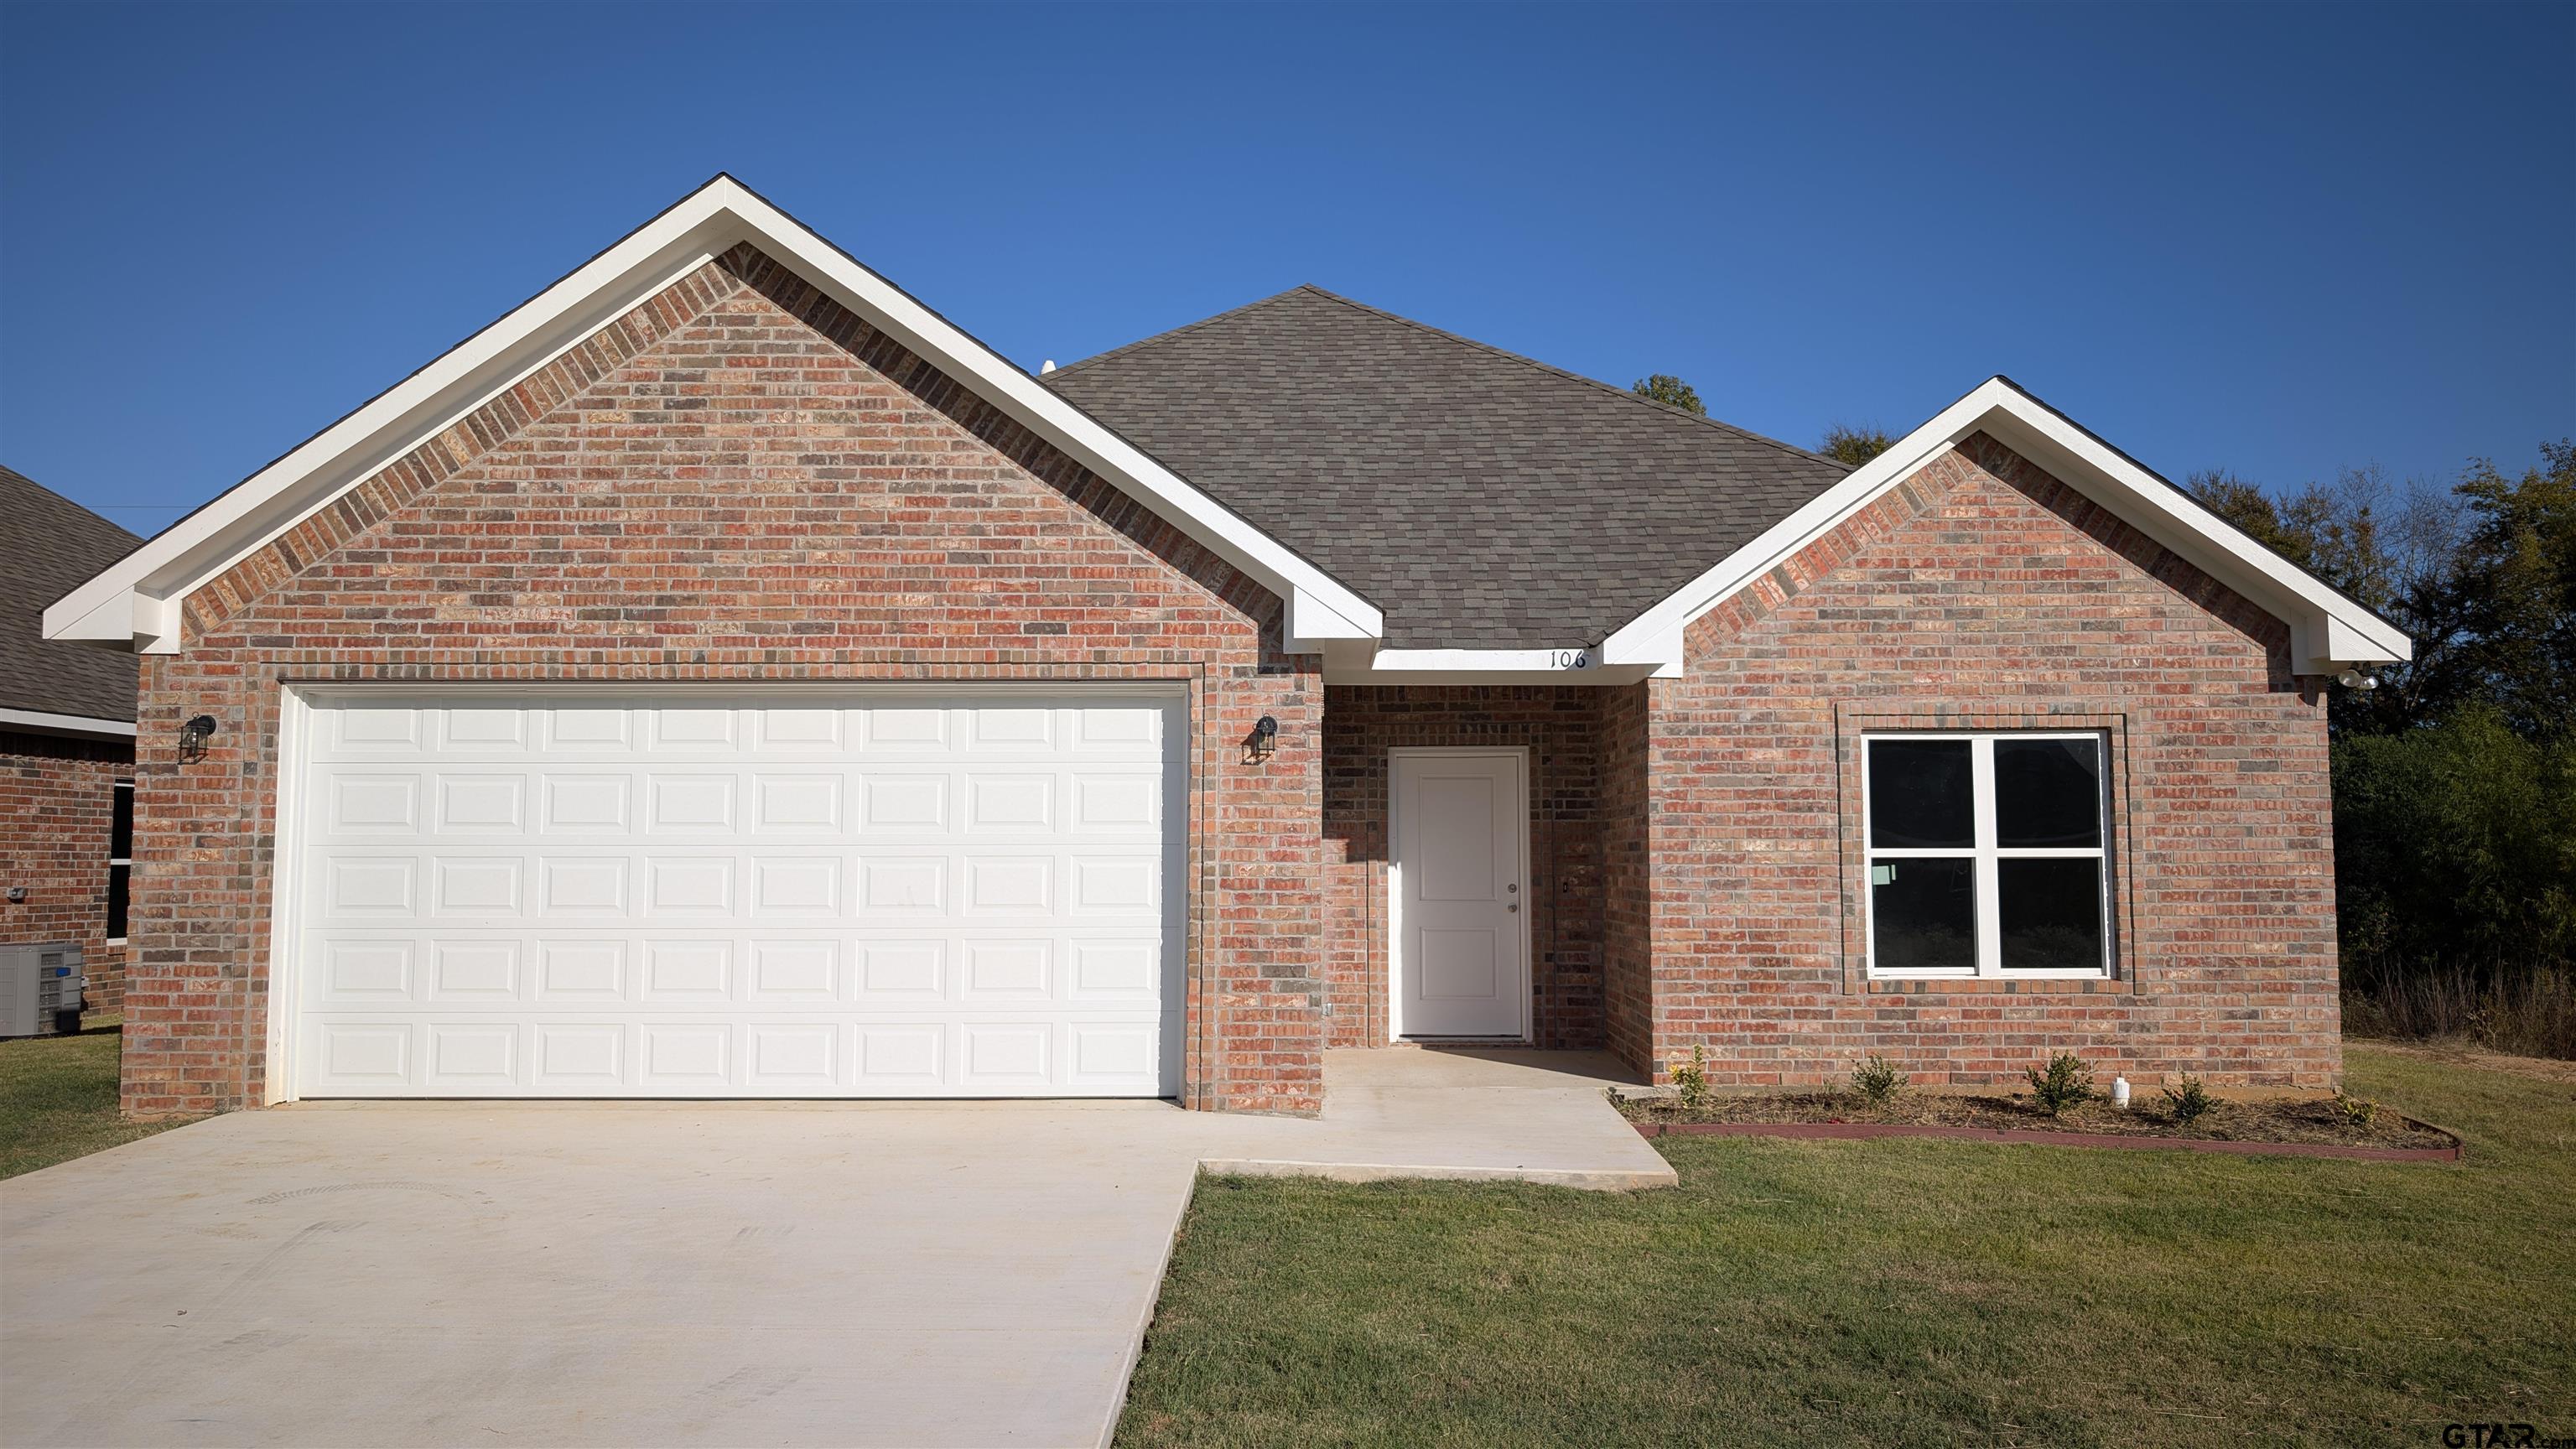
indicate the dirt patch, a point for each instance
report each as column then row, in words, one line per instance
column 2317, row 1120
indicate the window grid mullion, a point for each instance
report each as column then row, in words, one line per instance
column 1981, row 776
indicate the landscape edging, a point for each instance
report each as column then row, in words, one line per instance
column 2040, row 1138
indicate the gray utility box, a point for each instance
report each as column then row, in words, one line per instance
column 40, row 989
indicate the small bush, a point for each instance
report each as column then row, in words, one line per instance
column 1690, row 1079
column 1876, row 1081
column 2188, row 1101
column 2357, row 1111
column 2065, row 1082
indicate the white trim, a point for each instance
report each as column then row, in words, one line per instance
column 1573, row 664
column 65, row 724
column 137, row 601
column 294, row 732
column 124, row 787
column 1520, row 756
column 1987, row 854
column 2329, row 630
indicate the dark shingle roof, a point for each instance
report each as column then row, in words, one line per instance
column 50, row 546
column 1481, row 499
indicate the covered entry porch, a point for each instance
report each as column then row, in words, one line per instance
column 1484, row 858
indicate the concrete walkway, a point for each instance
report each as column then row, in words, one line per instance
column 684, row 1273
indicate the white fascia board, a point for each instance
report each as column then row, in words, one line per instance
column 1579, row 664
column 1313, row 623
column 38, row 722
column 141, row 594
column 2329, row 629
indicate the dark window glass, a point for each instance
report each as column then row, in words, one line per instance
column 116, row 888
column 1920, row 795
column 2052, row 914
column 1925, row 914
column 120, row 830
column 2048, row 793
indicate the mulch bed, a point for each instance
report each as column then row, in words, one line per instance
column 2300, row 1126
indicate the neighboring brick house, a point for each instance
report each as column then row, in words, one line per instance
column 66, row 743
column 724, row 677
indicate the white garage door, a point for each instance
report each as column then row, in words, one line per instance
column 880, row 895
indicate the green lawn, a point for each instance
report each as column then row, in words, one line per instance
column 1899, row 1293
column 58, row 1100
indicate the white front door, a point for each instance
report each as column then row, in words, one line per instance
column 1460, row 831
column 897, row 892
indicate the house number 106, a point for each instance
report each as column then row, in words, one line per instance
column 1569, row 658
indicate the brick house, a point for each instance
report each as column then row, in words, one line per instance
column 723, row 676
column 66, row 743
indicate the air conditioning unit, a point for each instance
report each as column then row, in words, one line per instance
column 40, row 989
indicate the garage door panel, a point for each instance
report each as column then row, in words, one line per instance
column 874, row 898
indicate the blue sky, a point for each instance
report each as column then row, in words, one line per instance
column 2281, row 239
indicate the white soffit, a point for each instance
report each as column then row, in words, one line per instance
column 137, row 601
column 2329, row 631
column 36, row 721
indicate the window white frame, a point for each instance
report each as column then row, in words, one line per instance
column 121, row 801
column 1986, row 854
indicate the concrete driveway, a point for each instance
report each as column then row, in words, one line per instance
column 841, row 1274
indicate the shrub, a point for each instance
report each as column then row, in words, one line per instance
column 2188, row 1101
column 2065, row 1082
column 1690, row 1079
column 1877, row 1081
column 2357, row 1111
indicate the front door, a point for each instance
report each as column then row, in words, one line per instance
column 1460, row 830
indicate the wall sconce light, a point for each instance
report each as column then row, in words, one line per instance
column 1263, row 742
column 193, row 736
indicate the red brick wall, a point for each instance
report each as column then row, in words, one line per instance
column 57, row 796
column 1559, row 726
column 737, row 481
column 1627, row 877
column 1984, row 593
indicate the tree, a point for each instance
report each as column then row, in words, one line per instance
column 2252, row 510
column 2508, row 599
column 2455, row 780
column 1847, row 444
column 1671, row 391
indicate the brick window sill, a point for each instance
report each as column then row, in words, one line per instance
column 1995, row 986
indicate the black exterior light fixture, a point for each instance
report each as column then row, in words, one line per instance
column 1263, row 742
column 193, row 736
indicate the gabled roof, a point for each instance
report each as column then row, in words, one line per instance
column 1430, row 507
column 1483, row 500
column 2328, row 631
column 48, row 544
column 137, row 601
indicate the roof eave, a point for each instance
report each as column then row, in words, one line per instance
column 138, row 601
column 2329, row 632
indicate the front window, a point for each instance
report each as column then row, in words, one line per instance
column 1986, row 855
column 120, row 860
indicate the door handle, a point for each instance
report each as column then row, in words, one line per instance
column 1513, row 907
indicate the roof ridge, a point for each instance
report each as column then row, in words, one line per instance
column 1526, row 361
column 1141, row 343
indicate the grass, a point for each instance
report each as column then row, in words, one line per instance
column 1899, row 1293
column 58, row 1100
